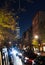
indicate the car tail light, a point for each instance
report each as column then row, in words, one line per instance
column 33, row 62
column 30, row 60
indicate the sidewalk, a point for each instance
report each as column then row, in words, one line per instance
column 0, row 59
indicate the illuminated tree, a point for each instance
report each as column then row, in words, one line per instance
column 35, row 43
column 7, row 20
column 7, row 25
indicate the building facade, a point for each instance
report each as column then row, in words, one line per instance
column 38, row 24
column 27, row 38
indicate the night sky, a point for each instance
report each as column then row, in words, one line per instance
column 26, row 11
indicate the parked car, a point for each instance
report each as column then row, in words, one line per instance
column 28, row 57
column 40, row 60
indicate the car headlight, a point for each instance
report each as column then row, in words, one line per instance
column 20, row 54
column 25, row 61
column 33, row 62
column 26, row 58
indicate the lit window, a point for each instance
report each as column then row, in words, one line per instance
column 44, row 48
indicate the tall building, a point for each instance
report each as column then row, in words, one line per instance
column 38, row 24
column 18, row 32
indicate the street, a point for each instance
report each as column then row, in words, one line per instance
column 13, row 59
column 17, row 62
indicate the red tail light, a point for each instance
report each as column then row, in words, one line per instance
column 30, row 60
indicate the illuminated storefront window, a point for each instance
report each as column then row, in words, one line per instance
column 44, row 48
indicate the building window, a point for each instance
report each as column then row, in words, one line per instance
column 44, row 48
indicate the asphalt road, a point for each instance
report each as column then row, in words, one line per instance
column 16, row 60
column 26, row 64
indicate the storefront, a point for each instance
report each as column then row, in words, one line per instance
column 42, row 47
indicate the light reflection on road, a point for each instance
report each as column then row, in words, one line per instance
column 17, row 60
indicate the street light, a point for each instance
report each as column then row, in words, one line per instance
column 9, row 42
column 36, row 36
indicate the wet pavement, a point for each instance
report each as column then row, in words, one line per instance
column 14, row 60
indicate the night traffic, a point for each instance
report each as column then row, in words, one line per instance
column 22, row 32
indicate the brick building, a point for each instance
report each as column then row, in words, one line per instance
column 38, row 24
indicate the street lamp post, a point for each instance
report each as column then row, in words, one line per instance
column 35, row 43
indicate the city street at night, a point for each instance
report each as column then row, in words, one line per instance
column 22, row 32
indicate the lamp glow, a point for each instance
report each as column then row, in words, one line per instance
column 36, row 37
